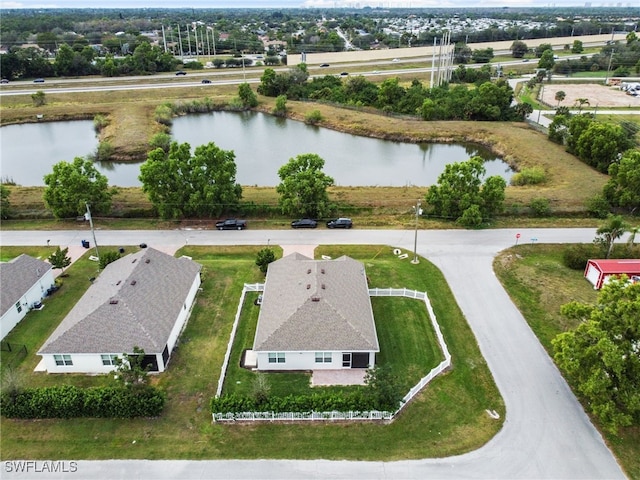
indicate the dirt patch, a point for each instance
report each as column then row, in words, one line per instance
column 598, row 96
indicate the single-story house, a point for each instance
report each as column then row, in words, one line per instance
column 599, row 271
column 141, row 300
column 315, row 314
column 24, row 281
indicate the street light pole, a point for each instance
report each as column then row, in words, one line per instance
column 415, row 240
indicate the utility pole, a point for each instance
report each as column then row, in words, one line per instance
column 415, row 241
column 93, row 233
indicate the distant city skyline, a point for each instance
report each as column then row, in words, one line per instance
column 199, row 4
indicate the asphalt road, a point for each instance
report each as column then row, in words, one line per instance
column 546, row 434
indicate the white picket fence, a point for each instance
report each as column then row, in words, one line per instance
column 248, row 287
column 350, row 415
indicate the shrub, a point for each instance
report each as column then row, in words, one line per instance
column 529, row 176
column 68, row 401
column 103, row 152
column 164, row 114
column 313, row 118
column 598, row 206
column 100, row 122
column 575, row 257
column 160, row 140
column 540, row 207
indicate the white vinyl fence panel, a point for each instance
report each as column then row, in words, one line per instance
column 329, row 416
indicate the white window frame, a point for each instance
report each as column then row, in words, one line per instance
column 108, row 360
column 63, row 360
column 323, row 357
column 276, row 357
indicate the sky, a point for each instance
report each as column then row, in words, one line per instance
column 303, row 3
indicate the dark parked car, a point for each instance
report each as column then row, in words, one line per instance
column 206, row 80
column 340, row 223
column 344, row 74
column 4, row 80
column 181, row 72
column 324, row 65
column 231, row 224
column 39, row 80
column 304, row 223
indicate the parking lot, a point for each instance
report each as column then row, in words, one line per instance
column 598, row 95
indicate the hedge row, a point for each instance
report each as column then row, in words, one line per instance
column 68, row 401
column 317, row 402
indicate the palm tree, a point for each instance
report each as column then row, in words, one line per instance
column 560, row 96
column 608, row 233
column 580, row 102
column 632, row 237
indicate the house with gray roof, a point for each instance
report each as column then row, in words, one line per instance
column 141, row 300
column 24, row 282
column 315, row 315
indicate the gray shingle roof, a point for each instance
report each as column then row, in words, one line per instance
column 17, row 277
column 316, row 305
column 135, row 301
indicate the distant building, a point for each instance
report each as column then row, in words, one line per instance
column 598, row 272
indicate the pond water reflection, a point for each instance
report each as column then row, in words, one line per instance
column 261, row 143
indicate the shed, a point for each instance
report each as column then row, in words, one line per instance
column 599, row 271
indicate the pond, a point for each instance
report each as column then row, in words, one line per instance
column 261, row 143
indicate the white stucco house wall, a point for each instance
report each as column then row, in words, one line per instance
column 141, row 300
column 315, row 315
column 24, row 281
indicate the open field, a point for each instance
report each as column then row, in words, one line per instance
column 539, row 283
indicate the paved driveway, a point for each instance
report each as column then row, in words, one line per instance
column 546, row 434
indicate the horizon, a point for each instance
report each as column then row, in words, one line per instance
column 309, row 4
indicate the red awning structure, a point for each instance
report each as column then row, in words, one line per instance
column 598, row 271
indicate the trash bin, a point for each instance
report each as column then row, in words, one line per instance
column 121, row 250
column 85, row 243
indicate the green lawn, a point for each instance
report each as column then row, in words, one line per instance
column 539, row 283
column 447, row 418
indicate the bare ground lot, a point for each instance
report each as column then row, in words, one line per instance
column 598, row 95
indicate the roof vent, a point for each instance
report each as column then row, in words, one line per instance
column 324, row 286
column 309, row 271
column 113, row 301
column 147, row 261
column 118, row 282
column 133, row 282
column 315, row 298
column 322, row 270
column 308, row 286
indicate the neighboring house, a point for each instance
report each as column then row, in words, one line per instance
column 24, row 281
column 141, row 300
column 599, row 271
column 315, row 314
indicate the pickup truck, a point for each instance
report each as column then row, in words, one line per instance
column 231, row 224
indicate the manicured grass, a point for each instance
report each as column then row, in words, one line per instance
column 447, row 418
column 539, row 283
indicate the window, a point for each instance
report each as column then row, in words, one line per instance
column 108, row 359
column 63, row 360
column 276, row 357
column 18, row 307
column 323, row 357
